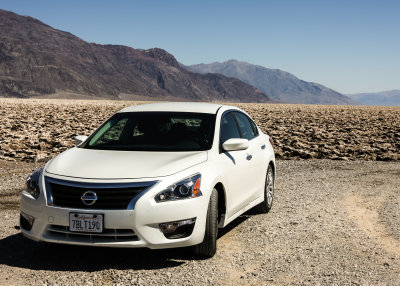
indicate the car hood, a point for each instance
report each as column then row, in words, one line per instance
column 101, row 164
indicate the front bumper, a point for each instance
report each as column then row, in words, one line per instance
column 138, row 227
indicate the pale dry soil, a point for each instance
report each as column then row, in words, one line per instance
column 332, row 223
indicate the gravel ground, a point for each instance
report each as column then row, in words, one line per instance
column 332, row 223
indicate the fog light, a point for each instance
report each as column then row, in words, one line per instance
column 26, row 221
column 178, row 229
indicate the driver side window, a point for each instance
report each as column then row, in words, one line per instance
column 228, row 128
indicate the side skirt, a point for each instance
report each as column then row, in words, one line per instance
column 252, row 204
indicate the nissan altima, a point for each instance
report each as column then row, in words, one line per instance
column 156, row 175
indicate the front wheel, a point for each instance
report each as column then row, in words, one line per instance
column 208, row 247
column 266, row 205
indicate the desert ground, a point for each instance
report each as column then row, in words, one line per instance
column 335, row 219
column 36, row 130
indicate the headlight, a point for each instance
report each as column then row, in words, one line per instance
column 187, row 188
column 32, row 183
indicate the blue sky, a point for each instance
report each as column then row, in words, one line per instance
column 350, row 46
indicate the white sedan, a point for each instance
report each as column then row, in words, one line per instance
column 157, row 175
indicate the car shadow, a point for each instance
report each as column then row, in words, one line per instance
column 238, row 221
column 21, row 252
column 18, row 251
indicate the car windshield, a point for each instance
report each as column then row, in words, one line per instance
column 155, row 131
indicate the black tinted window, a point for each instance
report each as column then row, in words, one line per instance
column 228, row 128
column 245, row 127
column 254, row 126
column 155, row 131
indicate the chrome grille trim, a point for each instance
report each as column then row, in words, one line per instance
column 136, row 189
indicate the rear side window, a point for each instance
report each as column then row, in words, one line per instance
column 245, row 126
column 228, row 128
column 255, row 129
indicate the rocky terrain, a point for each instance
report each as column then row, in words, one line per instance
column 278, row 84
column 36, row 130
column 37, row 60
column 332, row 223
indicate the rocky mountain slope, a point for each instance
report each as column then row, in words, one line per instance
column 279, row 85
column 384, row 98
column 36, row 59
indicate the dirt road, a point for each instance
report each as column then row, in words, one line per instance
column 332, row 223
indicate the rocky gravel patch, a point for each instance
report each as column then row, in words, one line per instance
column 36, row 130
column 330, row 132
column 332, row 223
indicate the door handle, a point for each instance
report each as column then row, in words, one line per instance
column 263, row 146
column 249, row 157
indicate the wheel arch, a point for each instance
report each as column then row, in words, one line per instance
column 272, row 164
column 221, row 203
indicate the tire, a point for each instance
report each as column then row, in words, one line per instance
column 269, row 190
column 208, row 247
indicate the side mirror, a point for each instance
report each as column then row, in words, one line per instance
column 235, row 144
column 79, row 139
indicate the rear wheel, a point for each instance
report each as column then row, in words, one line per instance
column 208, row 247
column 266, row 205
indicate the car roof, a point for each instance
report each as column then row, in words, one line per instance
column 198, row 107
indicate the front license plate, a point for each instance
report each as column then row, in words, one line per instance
column 86, row 222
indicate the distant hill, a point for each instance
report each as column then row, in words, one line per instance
column 384, row 98
column 279, row 85
column 37, row 60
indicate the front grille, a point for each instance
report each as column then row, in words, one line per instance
column 108, row 235
column 67, row 196
column 110, row 196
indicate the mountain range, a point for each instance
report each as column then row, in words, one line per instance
column 278, row 84
column 384, row 98
column 37, row 60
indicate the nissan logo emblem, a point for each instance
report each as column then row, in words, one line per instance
column 89, row 198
